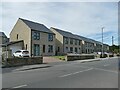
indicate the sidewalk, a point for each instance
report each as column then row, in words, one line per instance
column 51, row 60
column 28, row 67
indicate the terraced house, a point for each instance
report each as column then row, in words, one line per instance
column 38, row 39
column 69, row 42
column 66, row 42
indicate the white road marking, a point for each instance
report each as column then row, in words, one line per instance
column 20, row 86
column 106, row 65
column 75, row 73
column 106, row 70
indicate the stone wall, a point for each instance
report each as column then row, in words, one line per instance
column 23, row 61
column 79, row 57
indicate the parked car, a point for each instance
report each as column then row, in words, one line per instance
column 21, row 53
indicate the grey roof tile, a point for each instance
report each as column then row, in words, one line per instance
column 71, row 35
column 36, row 26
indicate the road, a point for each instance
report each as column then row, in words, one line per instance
column 73, row 74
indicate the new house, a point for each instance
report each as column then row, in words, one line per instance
column 69, row 42
column 66, row 42
column 37, row 38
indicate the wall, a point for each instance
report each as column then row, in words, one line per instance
column 44, row 41
column 79, row 57
column 58, row 42
column 73, row 45
column 23, row 61
column 24, row 33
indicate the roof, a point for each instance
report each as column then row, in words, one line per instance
column 2, row 34
column 12, row 42
column 70, row 35
column 65, row 33
column 36, row 26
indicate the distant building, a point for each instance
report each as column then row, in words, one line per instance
column 37, row 38
column 3, row 38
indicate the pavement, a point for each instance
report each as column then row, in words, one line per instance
column 72, row 74
column 49, row 62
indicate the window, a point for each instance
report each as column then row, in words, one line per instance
column 50, row 37
column 66, row 40
column 79, row 42
column 75, row 42
column 43, row 48
column 26, row 46
column 66, row 49
column 36, row 35
column 50, row 48
column 76, row 49
column 71, row 49
column 71, row 41
column 58, row 49
column 17, row 36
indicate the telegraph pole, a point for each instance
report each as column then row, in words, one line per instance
column 112, row 44
column 102, row 41
column 112, row 40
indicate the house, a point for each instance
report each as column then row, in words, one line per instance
column 3, row 38
column 66, row 42
column 87, row 45
column 69, row 42
column 37, row 38
column 3, row 41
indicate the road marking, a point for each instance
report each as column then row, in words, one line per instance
column 106, row 70
column 106, row 65
column 75, row 73
column 20, row 86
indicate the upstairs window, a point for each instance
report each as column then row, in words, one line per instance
column 50, row 37
column 79, row 42
column 66, row 40
column 17, row 36
column 75, row 42
column 36, row 35
column 71, row 41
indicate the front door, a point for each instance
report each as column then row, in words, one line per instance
column 36, row 50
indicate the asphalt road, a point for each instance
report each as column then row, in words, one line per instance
column 73, row 74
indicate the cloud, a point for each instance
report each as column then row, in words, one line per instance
column 83, row 18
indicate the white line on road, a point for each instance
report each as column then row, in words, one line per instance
column 20, row 86
column 106, row 70
column 75, row 73
column 106, row 65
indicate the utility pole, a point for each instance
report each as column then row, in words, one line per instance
column 102, row 41
column 112, row 40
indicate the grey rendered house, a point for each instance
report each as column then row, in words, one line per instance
column 38, row 39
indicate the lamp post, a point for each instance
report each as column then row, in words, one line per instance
column 102, row 41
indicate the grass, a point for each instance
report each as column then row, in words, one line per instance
column 59, row 57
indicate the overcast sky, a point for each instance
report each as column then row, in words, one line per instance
column 82, row 18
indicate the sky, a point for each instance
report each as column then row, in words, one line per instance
column 81, row 18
